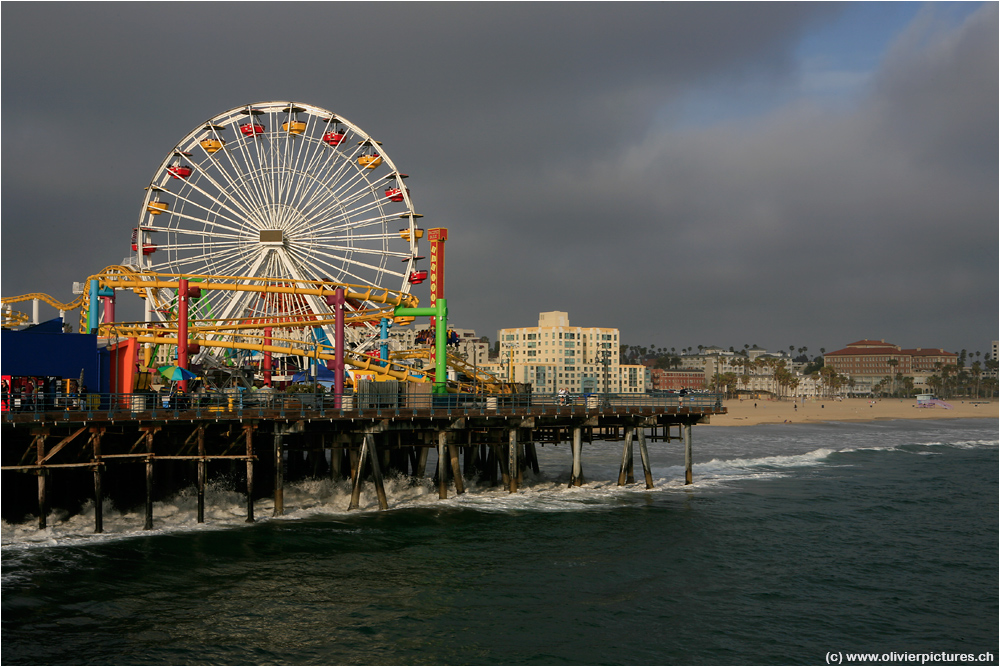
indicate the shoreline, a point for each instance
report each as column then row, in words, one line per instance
column 749, row 412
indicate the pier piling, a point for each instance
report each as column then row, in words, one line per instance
column 383, row 502
column 576, row 478
column 248, row 430
column 279, row 473
column 644, row 453
column 513, row 473
column 202, row 473
column 687, row 453
column 442, row 468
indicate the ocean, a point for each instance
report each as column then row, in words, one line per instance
column 796, row 544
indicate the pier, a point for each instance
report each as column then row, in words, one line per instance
column 136, row 440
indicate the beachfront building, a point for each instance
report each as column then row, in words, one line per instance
column 635, row 379
column 868, row 362
column 555, row 355
column 671, row 380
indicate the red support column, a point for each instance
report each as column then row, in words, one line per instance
column 338, row 341
column 109, row 309
column 266, row 366
column 182, row 328
column 437, row 236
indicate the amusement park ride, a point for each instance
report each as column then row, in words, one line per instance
column 275, row 229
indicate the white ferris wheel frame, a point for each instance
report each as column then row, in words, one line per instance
column 327, row 215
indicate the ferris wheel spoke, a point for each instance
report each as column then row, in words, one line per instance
column 249, row 191
column 201, row 232
column 214, row 247
column 325, row 238
column 341, row 272
column 208, row 211
column 252, row 184
column 206, row 224
column 236, row 202
column 326, row 250
column 353, row 262
column 329, row 198
column 345, row 224
column 343, row 204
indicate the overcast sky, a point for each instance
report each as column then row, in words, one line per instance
column 715, row 174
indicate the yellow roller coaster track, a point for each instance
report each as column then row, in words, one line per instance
column 485, row 380
column 148, row 284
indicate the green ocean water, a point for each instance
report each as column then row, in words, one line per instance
column 794, row 542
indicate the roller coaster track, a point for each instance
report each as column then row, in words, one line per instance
column 320, row 352
column 228, row 334
column 485, row 380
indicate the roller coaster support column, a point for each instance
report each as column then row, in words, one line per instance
column 266, row 365
column 93, row 320
column 184, row 294
column 440, row 314
column 437, row 237
column 109, row 307
column 384, row 346
column 182, row 329
column 338, row 353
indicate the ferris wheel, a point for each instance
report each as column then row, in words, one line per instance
column 280, row 190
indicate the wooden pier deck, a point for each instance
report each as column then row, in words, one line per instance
column 495, row 436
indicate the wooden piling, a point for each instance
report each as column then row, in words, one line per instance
column 442, row 468
column 202, row 473
column 513, row 472
column 531, row 454
column 149, row 478
column 630, row 438
column 356, row 475
column 576, row 478
column 500, row 456
column 456, row 469
column 42, row 481
column 95, row 440
column 383, row 503
column 623, row 473
column 687, row 453
column 249, row 437
column 279, row 473
column 644, row 453
column 421, row 468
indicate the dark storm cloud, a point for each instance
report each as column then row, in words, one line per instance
column 536, row 133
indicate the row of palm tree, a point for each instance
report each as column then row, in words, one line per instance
column 950, row 380
column 784, row 380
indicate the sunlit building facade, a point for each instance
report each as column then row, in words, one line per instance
column 555, row 356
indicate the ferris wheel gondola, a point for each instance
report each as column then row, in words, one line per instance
column 279, row 190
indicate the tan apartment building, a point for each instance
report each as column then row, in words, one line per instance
column 555, row 355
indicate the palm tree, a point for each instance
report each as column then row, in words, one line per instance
column 893, row 363
column 977, row 372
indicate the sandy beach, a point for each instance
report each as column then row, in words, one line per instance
column 742, row 413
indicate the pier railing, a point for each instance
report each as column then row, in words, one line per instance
column 271, row 405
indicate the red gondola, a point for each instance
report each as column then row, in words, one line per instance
column 417, row 277
column 395, row 194
column 179, row 170
column 333, row 138
column 250, row 129
column 147, row 247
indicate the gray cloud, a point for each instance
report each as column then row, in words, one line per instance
column 542, row 136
